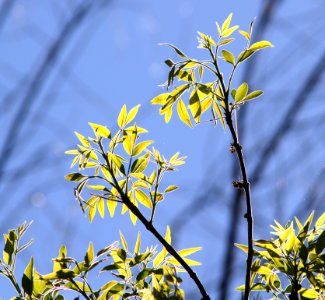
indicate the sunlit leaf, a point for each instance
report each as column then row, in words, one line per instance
column 141, row 147
column 253, row 95
column 101, row 207
column 100, row 130
column 241, row 92
column 143, row 198
column 132, row 114
column 226, row 23
column 182, row 113
column 82, row 139
column 188, row 251
column 28, row 278
column 228, row 56
column 121, row 120
column 137, row 244
column 74, row 177
column 260, row 45
column 229, row 31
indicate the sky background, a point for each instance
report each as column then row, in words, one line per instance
column 56, row 76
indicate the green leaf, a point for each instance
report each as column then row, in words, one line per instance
column 121, row 254
column 100, row 130
column 320, row 243
column 183, row 114
column 228, row 56
column 260, row 45
column 141, row 147
column 144, row 274
column 74, row 177
column 160, row 99
column 61, row 274
column 28, row 278
column 241, row 92
column 139, row 259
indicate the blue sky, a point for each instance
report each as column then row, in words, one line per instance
column 113, row 58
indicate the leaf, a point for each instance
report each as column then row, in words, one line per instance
column 245, row 34
column 226, row 41
column 121, row 120
column 137, row 243
column 206, row 38
column 28, row 278
column 168, row 237
column 123, row 241
column 111, row 205
column 171, row 188
column 143, row 274
column 244, row 55
column 309, row 293
column 195, row 106
column 188, row 251
column 242, row 247
column 100, row 130
column 262, row 270
column 160, row 99
column 121, row 254
column 179, row 52
column 228, row 56
column 61, row 274
column 82, row 139
column 140, row 147
column 143, row 198
column 9, row 247
column 320, row 221
column 183, row 114
column 74, row 177
column 226, row 23
column 253, row 95
column 241, row 92
column 132, row 114
column 101, row 207
column 90, row 254
column 229, row 31
column 260, row 45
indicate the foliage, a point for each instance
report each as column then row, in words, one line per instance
column 123, row 168
column 295, row 258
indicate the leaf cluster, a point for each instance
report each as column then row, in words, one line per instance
column 295, row 258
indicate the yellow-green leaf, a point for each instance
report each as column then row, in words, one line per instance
column 123, row 241
column 160, row 99
column 226, row 23
column 143, row 198
column 140, row 147
column 101, row 207
column 171, row 188
column 253, row 95
column 121, row 120
column 309, row 293
column 100, row 130
column 168, row 237
column 137, row 244
column 260, row 45
column 241, row 92
column 183, row 114
column 245, row 34
column 228, row 56
column 229, row 31
column 189, row 251
column 111, row 205
column 28, row 278
column 82, row 139
column 132, row 113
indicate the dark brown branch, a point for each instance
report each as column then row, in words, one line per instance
column 249, row 213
